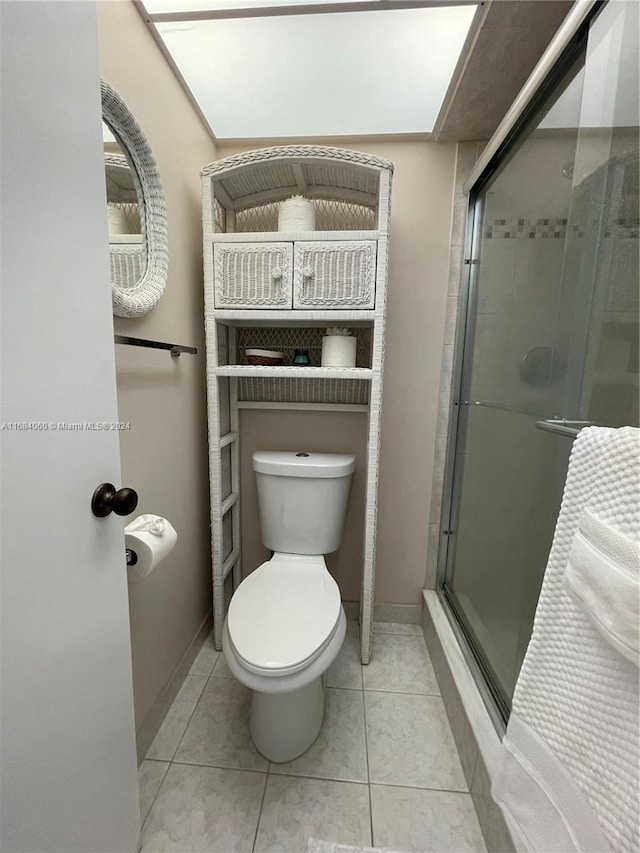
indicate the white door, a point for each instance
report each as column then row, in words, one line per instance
column 67, row 739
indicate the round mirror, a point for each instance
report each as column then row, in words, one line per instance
column 136, row 212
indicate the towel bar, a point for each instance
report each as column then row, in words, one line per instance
column 562, row 427
column 175, row 349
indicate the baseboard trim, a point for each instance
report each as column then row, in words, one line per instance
column 150, row 727
column 476, row 739
column 405, row 614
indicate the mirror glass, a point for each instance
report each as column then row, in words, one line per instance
column 125, row 212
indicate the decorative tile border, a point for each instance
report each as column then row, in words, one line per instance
column 525, row 229
column 555, row 228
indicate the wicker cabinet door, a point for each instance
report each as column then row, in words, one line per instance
column 253, row 275
column 334, row 274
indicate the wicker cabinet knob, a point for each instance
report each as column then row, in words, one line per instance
column 276, row 272
column 307, row 272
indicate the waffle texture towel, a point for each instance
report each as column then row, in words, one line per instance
column 569, row 779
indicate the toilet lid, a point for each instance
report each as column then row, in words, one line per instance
column 284, row 612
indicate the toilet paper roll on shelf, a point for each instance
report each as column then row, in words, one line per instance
column 338, row 351
column 151, row 538
column 296, row 214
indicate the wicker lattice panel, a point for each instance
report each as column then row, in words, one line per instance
column 334, row 273
column 330, row 216
column 336, row 391
column 225, row 414
column 131, row 215
column 288, row 340
column 128, row 263
column 227, row 535
column 219, row 217
column 225, row 471
column 252, row 275
column 223, row 336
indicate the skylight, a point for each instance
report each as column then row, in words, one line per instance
column 311, row 75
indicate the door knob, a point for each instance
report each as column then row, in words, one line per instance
column 106, row 500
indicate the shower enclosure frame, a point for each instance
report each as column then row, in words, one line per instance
column 570, row 43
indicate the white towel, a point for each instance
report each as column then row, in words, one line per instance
column 603, row 576
column 568, row 779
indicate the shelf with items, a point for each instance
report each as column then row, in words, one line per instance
column 278, row 291
column 288, row 384
column 288, row 339
column 242, row 193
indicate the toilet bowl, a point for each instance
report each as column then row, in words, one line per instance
column 286, row 624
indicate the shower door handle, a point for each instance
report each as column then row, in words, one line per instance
column 560, row 426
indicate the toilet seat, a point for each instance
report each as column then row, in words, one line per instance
column 284, row 614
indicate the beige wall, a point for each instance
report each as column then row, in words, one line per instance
column 418, row 275
column 164, row 454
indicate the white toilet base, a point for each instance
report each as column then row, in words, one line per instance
column 284, row 725
column 287, row 711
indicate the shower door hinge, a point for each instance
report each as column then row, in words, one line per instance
column 470, row 261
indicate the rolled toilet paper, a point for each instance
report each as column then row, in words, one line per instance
column 296, row 214
column 152, row 538
column 338, row 351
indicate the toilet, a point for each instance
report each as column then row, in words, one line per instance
column 286, row 623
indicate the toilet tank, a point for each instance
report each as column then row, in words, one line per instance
column 302, row 499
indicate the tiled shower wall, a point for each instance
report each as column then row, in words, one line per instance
column 522, row 252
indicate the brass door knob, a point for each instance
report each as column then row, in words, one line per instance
column 106, row 500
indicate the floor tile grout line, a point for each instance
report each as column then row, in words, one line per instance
column 319, row 778
column 216, row 652
column 322, row 778
column 206, row 675
column 264, row 794
column 401, row 692
column 175, row 751
column 170, row 759
column 366, row 746
column 157, row 794
column 421, row 788
column 183, row 763
column 218, row 767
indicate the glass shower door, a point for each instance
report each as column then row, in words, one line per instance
column 552, row 336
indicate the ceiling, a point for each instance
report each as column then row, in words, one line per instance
column 510, row 40
column 308, row 69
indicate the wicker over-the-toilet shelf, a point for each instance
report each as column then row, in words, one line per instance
column 276, row 290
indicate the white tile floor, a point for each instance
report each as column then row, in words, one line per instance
column 383, row 772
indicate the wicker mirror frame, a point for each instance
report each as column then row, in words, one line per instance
column 140, row 299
